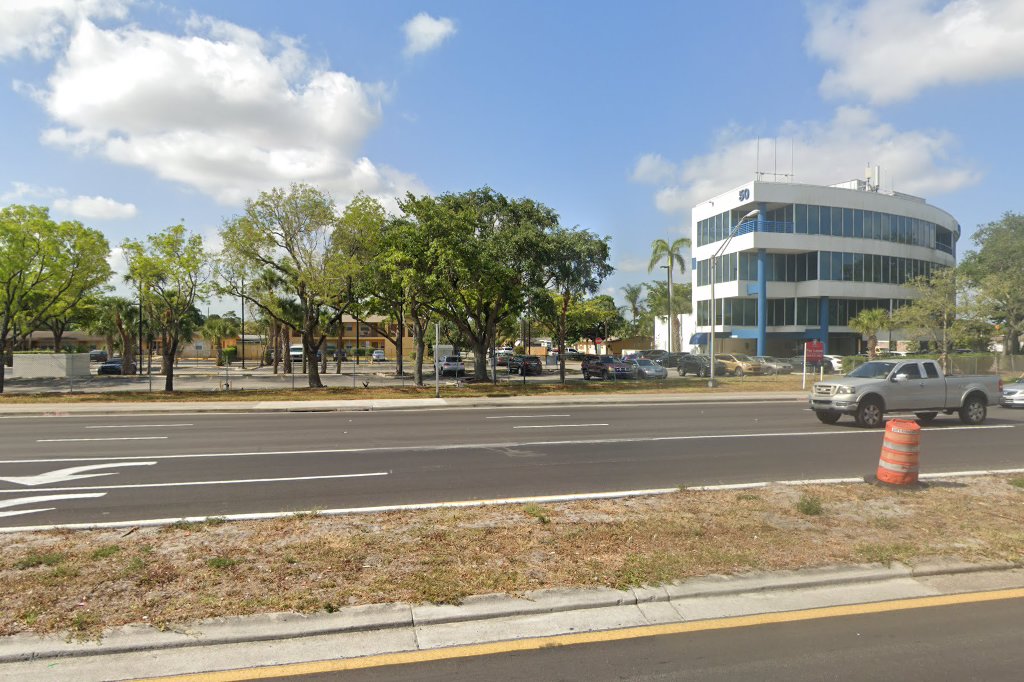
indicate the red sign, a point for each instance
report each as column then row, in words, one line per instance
column 815, row 351
column 600, row 341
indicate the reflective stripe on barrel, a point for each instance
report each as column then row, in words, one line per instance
column 898, row 463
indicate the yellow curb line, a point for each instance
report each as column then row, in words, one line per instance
column 532, row 643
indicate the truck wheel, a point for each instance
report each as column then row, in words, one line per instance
column 870, row 414
column 703, row 372
column 682, row 372
column 586, row 376
column 974, row 410
column 827, row 417
column 738, row 372
column 926, row 417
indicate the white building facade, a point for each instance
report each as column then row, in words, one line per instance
column 811, row 259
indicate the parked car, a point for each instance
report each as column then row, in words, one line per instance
column 699, row 365
column 501, row 357
column 881, row 386
column 773, row 365
column 738, row 364
column 1013, row 394
column 378, row 356
column 451, row 364
column 114, row 366
column 648, row 369
column 607, row 366
column 97, row 356
column 524, row 365
column 653, row 354
column 670, row 359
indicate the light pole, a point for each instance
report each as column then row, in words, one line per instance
column 668, row 269
column 714, row 263
column 243, row 323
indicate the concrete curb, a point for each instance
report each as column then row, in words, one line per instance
column 70, row 409
column 481, row 608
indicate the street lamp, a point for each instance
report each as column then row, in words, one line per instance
column 714, row 263
column 668, row 270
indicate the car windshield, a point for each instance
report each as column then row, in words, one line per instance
column 644, row 362
column 873, row 370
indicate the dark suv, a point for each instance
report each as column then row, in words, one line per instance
column 525, row 364
column 608, row 367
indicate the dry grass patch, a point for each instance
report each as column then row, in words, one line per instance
column 81, row 582
column 504, row 389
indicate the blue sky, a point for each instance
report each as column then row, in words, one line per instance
column 133, row 115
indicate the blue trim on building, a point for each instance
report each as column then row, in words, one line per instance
column 762, row 285
column 823, row 321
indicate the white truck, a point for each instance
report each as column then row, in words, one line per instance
column 916, row 386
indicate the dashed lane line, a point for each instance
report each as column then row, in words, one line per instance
column 497, row 445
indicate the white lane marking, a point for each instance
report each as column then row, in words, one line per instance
column 137, row 426
column 500, row 445
column 180, row 484
column 78, row 440
column 17, row 502
column 71, row 473
column 554, row 426
column 529, row 416
column 548, row 499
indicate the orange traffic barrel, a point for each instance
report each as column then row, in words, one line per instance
column 900, row 449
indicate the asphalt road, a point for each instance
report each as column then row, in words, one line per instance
column 982, row 641
column 67, row 470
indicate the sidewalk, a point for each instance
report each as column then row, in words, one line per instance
column 275, row 639
column 57, row 409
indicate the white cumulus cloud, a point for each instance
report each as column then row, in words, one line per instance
column 423, row 33
column 890, row 50
column 221, row 109
column 98, row 207
column 915, row 162
column 37, row 27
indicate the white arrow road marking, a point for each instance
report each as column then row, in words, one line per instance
column 178, row 484
column 78, row 440
column 40, row 498
column 71, row 473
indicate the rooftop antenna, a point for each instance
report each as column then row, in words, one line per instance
column 757, row 159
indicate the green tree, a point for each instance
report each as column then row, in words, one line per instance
column 46, row 269
column 483, row 254
column 217, row 328
column 174, row 271
column 635, row 301
column 577, row 263
column 289, row 233
column 672, row 255
column 996, row 271
column 869, row 322
column 939, row 303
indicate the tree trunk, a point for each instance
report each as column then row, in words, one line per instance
column 3, row 358
column 58, row 337
column 399, row 335
column 286, row 351
column 166, row 362
column 170, row 350
column 219, row 350
column 275, row 344
column 480, row 359
column 309, row 350
column 872, row 345
column 561, row 338
column 109, row 340
column 421, row 345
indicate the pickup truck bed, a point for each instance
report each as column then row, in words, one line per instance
column 919, row 387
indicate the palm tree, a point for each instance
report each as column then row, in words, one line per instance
column 662, row 250
column 634, row 299
column 217, row 328
column 869, row 322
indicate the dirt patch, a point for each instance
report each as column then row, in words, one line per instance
column 84, row 581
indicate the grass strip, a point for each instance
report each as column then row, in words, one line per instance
column 80, row 582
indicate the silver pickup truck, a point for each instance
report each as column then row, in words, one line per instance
column 916, row 386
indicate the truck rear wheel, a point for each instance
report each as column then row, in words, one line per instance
column 870, row 414
column 974, row 410
column 827, row 417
